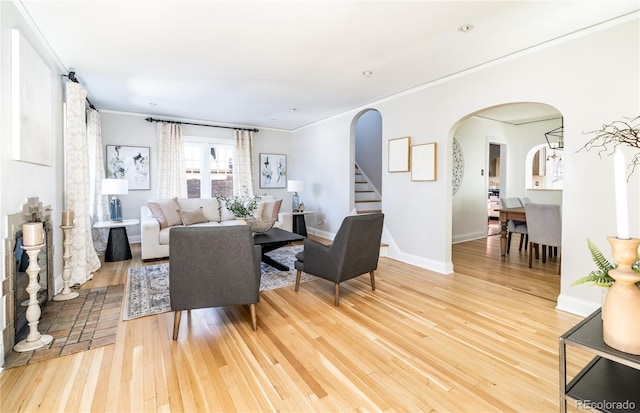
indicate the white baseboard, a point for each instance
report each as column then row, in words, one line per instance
column 575, row 305
column 468, row 237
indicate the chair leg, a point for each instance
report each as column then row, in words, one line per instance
column 530, row 254
column 544, row 253
column 373, row 281
column 509, row 242
column 176, row 324
column 254, row 317
column 521, row 242
column 336, row 289
column 298, row 274
column 526, row 241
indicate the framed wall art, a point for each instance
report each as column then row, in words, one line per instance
column 423, row 162
column 130, row 163
column 31, row 104
column 399, row 154
column 273, row 170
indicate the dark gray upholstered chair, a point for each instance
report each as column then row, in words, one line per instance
column 213, row 267
column 545, row 228
column 355, row 251
column 517, row 227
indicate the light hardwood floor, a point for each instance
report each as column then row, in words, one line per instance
column 484, row 339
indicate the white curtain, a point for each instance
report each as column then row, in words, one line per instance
column 84, row 260
column 98, row 203
column 172, row 177
column 243, row 162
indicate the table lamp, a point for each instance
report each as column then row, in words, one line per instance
column 115, row 187
column 295, row 187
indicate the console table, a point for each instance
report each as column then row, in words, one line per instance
column 118, row 248
column 609, row 382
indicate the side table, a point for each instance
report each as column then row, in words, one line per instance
column 299, row 226
column 118, row 248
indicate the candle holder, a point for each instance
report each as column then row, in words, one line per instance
column 34, row 340
column 621, row 309
column 66, row 293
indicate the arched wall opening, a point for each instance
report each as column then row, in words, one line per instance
column 366, row 161
column 517, row 127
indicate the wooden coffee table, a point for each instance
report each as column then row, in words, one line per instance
column 273, row 239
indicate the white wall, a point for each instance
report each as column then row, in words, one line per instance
column 129, row 129
column 22, row 180
column 571, row 75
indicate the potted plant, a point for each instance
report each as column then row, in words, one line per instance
column 601, row 277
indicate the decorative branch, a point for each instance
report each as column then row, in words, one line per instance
column 619, row 132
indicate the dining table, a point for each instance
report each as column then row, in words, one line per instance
column 506, row 214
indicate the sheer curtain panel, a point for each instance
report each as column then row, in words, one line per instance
column 172, row 177
column 98, row 204
column 243, row 162
column 84, row 260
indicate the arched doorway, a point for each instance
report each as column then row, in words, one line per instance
column 367, row 162
column 515, row 129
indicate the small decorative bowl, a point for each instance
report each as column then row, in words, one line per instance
column 260, row 226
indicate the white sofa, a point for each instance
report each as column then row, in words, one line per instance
column 159, row 216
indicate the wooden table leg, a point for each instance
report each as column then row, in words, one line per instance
column 503, row 235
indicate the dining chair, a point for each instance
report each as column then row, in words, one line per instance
column 518, row 227
column 545, row 228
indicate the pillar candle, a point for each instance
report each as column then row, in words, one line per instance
column 32, row 234
column 67, row 218
column 622, row 208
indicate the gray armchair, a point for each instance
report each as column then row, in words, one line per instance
column 213, row 267
column 355, row 251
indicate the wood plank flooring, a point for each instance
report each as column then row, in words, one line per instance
column 484, row 339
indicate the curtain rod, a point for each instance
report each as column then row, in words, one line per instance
column 72, row 77
column 200, row 124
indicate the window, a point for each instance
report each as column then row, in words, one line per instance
column 209, row 167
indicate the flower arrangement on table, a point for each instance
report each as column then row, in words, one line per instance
column 240, row 206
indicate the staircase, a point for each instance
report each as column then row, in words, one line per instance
column 367, row 199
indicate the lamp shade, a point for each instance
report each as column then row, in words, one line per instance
column 295, row 186
column 115, row 187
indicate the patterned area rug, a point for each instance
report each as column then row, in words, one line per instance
column 147, row 290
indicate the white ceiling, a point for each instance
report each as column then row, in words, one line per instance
column 251, row 62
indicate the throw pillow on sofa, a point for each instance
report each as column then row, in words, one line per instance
column 210, row 206
column 166, row 212
column 270, row 209
column 193, row 216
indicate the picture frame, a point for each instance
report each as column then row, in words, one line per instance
column 423, row 162
column 273, row 170
column 130, row 163
column 398, row 155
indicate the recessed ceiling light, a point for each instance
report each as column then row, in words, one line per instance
column 292, row 109
column 152, row 104
column 367, row 73
column 465, row 28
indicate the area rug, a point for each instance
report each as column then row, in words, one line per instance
column 147, row 290
column 83, row 323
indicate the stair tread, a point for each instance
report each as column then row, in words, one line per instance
column 368, row 200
